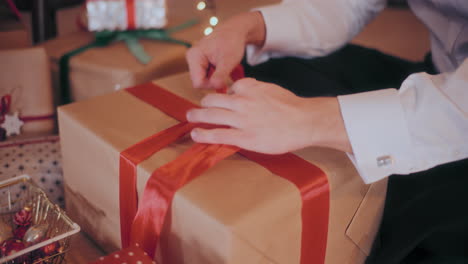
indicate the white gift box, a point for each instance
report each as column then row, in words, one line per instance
column 126, row 14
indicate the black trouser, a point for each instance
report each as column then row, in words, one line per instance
column 426, row 214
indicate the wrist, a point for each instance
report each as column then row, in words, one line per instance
column 325, row 124
column 250, row 25
column 256, row 34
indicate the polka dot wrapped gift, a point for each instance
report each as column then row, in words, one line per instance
column 130, row 255
column 40, row 158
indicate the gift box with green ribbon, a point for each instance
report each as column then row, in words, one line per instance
column 112, row 60
column 88, row 64
column 130, row 38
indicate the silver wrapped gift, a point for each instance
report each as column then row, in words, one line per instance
column 114, row 14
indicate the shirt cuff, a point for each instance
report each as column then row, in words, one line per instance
column 378, row 133
column 275, row 27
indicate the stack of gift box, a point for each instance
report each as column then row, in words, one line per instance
column 240, row 210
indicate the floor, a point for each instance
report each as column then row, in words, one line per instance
column 82, row 250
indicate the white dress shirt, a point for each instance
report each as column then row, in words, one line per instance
column 419, row 126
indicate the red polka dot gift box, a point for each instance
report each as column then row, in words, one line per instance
column 131, row 255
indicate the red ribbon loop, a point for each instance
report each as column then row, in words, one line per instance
column 162, row 186
column 129, row 159
column 143, row 224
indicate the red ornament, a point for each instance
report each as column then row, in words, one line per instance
column 51, row 249
column 20, row 231
column 23, row 217
column 11, row 246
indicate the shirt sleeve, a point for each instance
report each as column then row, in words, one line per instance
column 311, row 28
column 422, row 125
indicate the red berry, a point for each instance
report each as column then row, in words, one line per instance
column 51, row 249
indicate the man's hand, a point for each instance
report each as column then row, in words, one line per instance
column 224, row 49
column 266, row 118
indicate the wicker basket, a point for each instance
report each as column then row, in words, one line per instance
column 59, row 227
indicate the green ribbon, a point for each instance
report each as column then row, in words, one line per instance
column 131, row 37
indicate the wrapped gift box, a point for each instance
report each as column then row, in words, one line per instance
column 13, row 34
column 236, row 212
column 25, row 78
column 102, row 70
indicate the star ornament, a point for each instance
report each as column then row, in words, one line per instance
column 12, row 124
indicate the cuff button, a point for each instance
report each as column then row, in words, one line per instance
column 384, row 161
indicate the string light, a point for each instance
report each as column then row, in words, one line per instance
column 208, row 31
column 201, row 5
column 213, row 21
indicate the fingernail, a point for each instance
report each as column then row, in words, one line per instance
column 194, row 133
column 189, row 115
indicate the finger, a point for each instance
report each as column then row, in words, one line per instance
column 216, row 116
column 231, row 102
column 222, row 74
column 228, row 136
column 198, row 65
column 244, row 86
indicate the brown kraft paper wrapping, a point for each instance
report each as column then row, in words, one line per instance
column 237, row 212
column 25, row 75
column 102, row 70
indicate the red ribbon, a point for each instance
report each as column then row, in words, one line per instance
column 143, row 224
column 5, row 104
column 14, row 9
column 130, row 5
column 36, row 118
